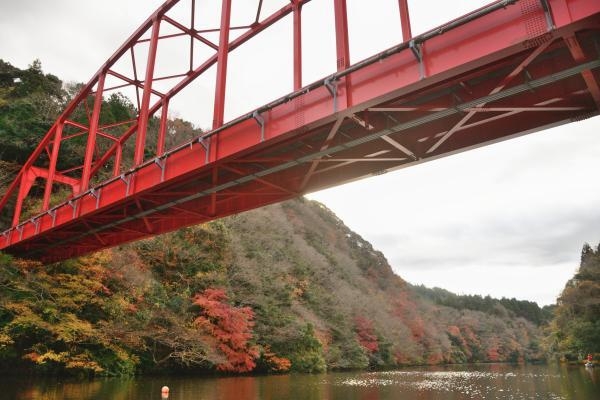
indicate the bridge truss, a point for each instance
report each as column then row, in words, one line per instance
column 507, row 69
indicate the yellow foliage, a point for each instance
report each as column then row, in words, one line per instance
column 52, row 356
column 73, row 330
column 5, row 340
column 83, row 361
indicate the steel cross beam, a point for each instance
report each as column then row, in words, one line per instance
column 497, row 89
column 313, row 166
column 542, row 106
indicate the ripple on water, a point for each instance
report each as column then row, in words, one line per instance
column 469, row 384
column 368, row 382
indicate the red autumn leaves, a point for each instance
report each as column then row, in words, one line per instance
column 230, row 326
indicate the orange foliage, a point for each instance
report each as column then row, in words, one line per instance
column 435, row 357
column 417, row 327
column 493, row 353
column 33, row 356
column 366, row 334
column 230, row 326
column 401, row 358
column 470, row 335
column 407, row 310
column 277, row 364
column 454, row 331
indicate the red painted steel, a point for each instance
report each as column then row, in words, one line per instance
column 140, row 141
column 297, row 44
column 93, row 131
column 505, row 70
column 405, row 20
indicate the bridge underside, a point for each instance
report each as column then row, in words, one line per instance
column 489, row 80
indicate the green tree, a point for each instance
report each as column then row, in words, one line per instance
column 575, row 329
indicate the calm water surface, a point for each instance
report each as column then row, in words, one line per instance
column 502, row 382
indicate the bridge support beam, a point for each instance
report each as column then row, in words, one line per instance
column 343, row 54
column 140, row 140
column 405, row 20
column 297, row 45
column 162, row 130
column 52, row 168
column 223, row 53
column 93, row 131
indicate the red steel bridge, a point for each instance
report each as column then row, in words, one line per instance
column 507, row 69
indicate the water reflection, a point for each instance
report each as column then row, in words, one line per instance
column 498, row 382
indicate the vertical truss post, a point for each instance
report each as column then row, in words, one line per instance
column 140, row 140
column 405, row 20
column 52, row 166
column 162, row 131
column 222, row 55
column 91, row 141
column 19, row 203
column 193, row 28
column 118, row 157
column 297, row 45
column 220, row 91
column 342, row 46
column 341, row 35
column 27, row 179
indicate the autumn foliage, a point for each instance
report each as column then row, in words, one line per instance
column 230, row 326
column 275, row 363
column 365, row 333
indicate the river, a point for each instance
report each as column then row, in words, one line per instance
column 493, row 381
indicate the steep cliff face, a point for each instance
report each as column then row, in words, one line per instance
column 287, row 286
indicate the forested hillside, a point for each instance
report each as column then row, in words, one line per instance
column 502, row 307
column 285, row 287
column 575, row 329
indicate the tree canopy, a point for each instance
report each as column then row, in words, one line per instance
column 575, row 329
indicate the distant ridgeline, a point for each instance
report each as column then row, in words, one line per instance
column 529, row 310
column 285, row 287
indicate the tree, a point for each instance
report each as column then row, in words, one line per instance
column 575, row 329
column 230, row 326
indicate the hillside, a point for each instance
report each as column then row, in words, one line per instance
column 575, row 329
column 286, row 286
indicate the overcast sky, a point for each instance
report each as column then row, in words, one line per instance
column 506, row 220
